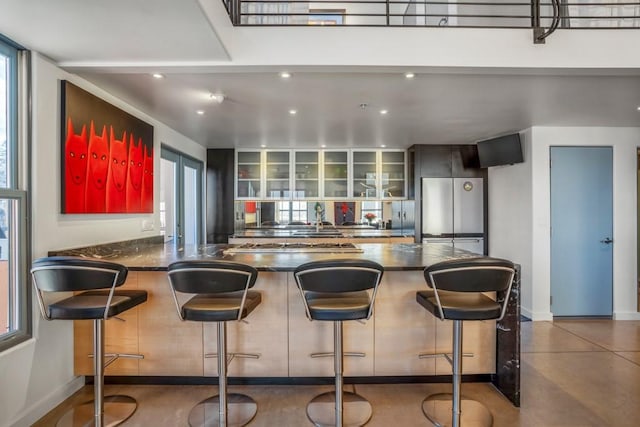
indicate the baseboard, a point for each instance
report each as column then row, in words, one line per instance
column 536, row 316
column 39, row 409
column 626, row 315
column 526, row 313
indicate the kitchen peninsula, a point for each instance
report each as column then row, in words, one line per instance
column 279, row 331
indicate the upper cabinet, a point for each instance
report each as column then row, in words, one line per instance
column 306, row 174
column 278, row 174
column 393, row 181
column 379, row 174
column 321, row 174
column 365, row 174
column 335, row 176
column 249, row 174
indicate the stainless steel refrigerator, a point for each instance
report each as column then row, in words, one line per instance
column 453, row 212
column 403, row 217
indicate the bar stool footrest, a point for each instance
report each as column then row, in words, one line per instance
column 117, row 409
column 241, row 409
column 438, row 409
column 356, row 410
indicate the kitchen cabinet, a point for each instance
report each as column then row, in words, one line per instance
column 306, row 176
column 307, row 337
column 263, row 332
column 278, row 174
column 365, row 174
column 121, row 336
column 279, row 331
column 403, row 216
column 321, row 174
column 392, row 174
column 249, row 174
column 220, row 194
column 335, row 177
column 404, row 331
column 378, row 174
column 444, row 161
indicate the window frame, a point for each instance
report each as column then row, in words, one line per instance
column 18, row 183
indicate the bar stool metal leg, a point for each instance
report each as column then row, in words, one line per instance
column 101, row 411
column 339, row 408
column 224, row 410
column 445, row 409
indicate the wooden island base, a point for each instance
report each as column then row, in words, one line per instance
column 399, row 331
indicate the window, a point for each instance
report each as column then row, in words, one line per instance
column 371, row 212
column 15, row 313
column 289, row 212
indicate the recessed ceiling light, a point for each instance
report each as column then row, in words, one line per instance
column 293, row 112
column 383, row 146
column 323, row 146
column 638, row 108
column 200, row 112
column 217, row 97
column 158, row 76
column 409, row 75
column 263, row 145
column 383, row 112
column 285, row 74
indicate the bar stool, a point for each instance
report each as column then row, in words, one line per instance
column 335, row 291
column 456, row 294
column 96, row 281
column 222, row 295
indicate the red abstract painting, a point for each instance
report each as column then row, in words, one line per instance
column 107, row 159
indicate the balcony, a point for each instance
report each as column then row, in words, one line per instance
column 535, row 14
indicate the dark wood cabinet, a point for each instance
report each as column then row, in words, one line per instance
column 442, row 161
column 220, row 182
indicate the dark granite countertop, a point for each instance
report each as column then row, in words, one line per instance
column 156, row 256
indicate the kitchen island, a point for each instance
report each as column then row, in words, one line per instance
column 399, row 331
column 354, row 234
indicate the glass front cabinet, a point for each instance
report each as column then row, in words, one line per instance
column 336, row 179
column 393, row 181
column 278, row 174
column 320, row 174
column 306, row 178
column 248, row 174
column 378, row 174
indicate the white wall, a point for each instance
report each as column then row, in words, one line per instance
column 39, row 373
column 526, row 188
column 624, row 142
column 510, row 207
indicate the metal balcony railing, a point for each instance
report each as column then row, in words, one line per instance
column 536, row 14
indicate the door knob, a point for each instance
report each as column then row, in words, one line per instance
column 606, row 241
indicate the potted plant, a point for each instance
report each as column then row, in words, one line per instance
column 370, row 216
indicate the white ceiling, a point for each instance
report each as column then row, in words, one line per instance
column 433, row 108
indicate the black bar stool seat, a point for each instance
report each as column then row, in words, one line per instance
column 222, row 294
column 97, row 299
column 457, row 293
column 335, row 291
column 456, row 305
column 91, row 304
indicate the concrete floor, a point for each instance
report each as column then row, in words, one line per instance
column 575, row 373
